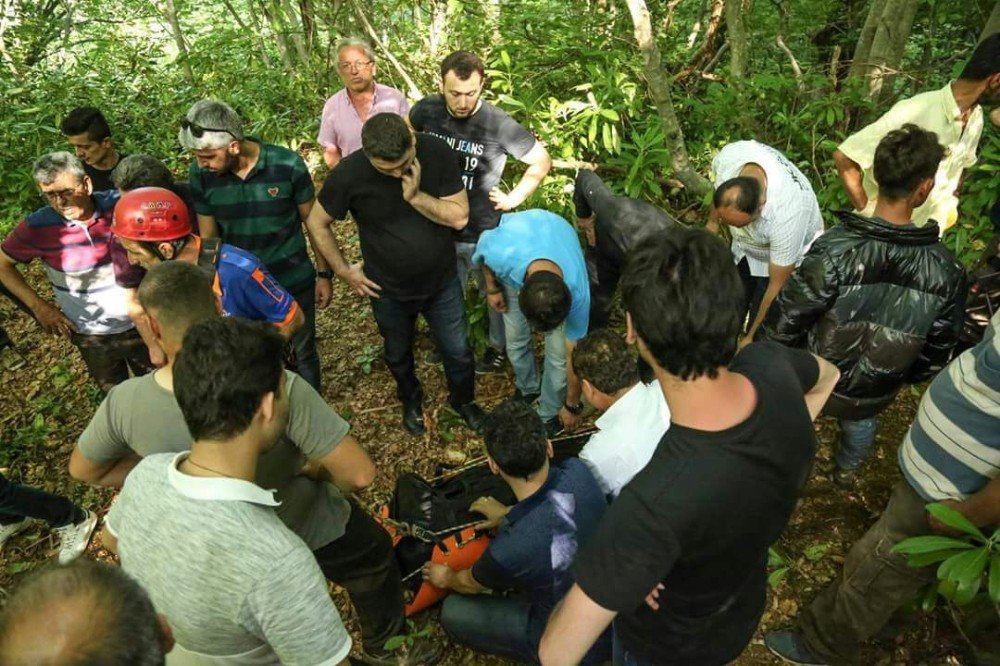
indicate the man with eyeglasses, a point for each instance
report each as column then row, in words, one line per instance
column 360, row 98
column 72, row 238
column 257, row 196
column 482, row 136
column 405, row 193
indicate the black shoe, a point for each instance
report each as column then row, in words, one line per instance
column 413, row 417
column 845, row 478
column 529, row 398
column 473, row 415
column 553, row 427
column 493, row 360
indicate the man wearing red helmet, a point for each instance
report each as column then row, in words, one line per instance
column 153, row 225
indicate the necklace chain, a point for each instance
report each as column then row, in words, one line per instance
column 208, row 469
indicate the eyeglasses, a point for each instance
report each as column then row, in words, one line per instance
column 63, row 195
column 357, row 64
column 197, row 131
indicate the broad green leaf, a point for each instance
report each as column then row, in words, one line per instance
column 965, row 593
column 816, row 551
column 953, row 518
column 928, row 544
column 774, row 558
column 994, row 586
column 505, row 59
column 394, row 643
column 965, row 567
column 926, row 559
column 775, row 577
column 610, row 114
column 609, row 144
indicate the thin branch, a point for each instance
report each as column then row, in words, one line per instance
column 414, row 90
column 791, row 56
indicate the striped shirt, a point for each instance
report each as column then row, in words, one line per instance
column 790, row 220
column 260, row 213
column 953, row 447
column 81, row 261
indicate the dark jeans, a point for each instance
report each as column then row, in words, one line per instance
column 304, row 340
column 753, row 291
column 620, row 656
column 495, row 625
column 445, row 315
column 363, row 562
column 109, row 358
column 18, row 502
column 874, row 584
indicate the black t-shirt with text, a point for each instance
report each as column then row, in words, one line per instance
column 405, row 253
column 482, row 142
column 699, row 518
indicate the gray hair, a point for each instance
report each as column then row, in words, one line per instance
column 141, row 171
column 356, row 42
column 49, row 167
column 217, row 115
column 104, row 615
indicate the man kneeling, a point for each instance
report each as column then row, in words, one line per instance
column 557, row 510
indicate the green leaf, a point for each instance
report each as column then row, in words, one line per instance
column 609, row 144
column 394, row 643
column 774, row 558
column 928, row 600
column 965, row 567
column 505, row 59
column 926, row 559
column 928, row 544
column 994, row 587
column 610, row 114
column 775, row 577
column 816, row 551
column 953, row 518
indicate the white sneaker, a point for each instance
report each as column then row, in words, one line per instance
column 73, row 538
column 10, row 529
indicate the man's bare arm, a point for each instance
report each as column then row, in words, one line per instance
column 539, row 163
column 851, row 176
column 331, row 155
column 105, row 475
column 451, row 211
column 207, row 227
column 49, row 317
column 817, row 396
column 574, row 626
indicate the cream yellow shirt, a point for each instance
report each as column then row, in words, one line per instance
column 935, row 111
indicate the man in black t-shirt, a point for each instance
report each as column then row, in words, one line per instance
column 482, row 137
column 678, row 563
column 613, row 225
column 405, row 193
column 87, row 131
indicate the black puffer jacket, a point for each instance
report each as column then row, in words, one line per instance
column 883, row 303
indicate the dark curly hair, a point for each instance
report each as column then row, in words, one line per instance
column 742, row 193
column 603, row 359
column 385, row 136
column 904, row 158
column 515, row 439
column 545, row 300
column 224, row 369
column 684, row 296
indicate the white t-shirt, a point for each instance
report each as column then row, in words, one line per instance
column 790, row 220
column 935, row 111
column 628, row 434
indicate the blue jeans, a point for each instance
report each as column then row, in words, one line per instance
column 304, row 340
column 620, row 656
column 552, row 384
column 464, row 252
column 856, row 439
column 495, row 625
column 445, row 315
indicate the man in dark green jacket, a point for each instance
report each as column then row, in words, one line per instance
column 879, row 297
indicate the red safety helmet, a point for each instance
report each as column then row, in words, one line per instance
column 151, row 214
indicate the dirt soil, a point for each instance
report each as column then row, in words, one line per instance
column 45, row 405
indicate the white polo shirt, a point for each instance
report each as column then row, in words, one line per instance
column 237, row 587
column 790, row 220
column 627, row 437
column 935, row 111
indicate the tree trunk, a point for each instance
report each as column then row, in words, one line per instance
column 255, row 31
column 659, row 89
column 438, row 27
column 278, row 30
column 308, row 22
column 168, row 10
column 888, row 44
column 739, row 46
column 293, row 25
column 862, row 52
column 992, row 23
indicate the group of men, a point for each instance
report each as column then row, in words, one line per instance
column 648, row 548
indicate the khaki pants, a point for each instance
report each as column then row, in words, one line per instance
column 873, row 585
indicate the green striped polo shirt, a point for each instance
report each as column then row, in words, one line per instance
column 260, row 213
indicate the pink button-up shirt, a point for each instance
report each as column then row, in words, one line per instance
column 340, row 125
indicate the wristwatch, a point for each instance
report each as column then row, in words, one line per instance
column 574, row 409
column 326, row 275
